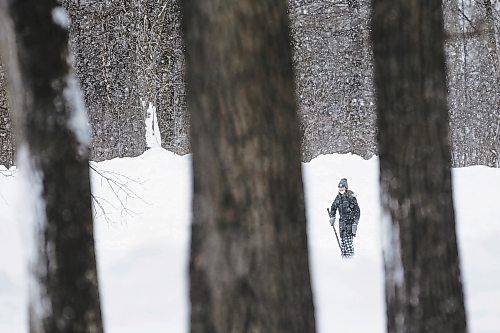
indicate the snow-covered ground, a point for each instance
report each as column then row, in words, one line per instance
column 143, row 249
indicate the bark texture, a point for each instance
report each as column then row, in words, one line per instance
column 334, row 74
column 128, row 56
column 103, row 40
column 64, row 294
column 6, row 135
column 422, row 267
column 249, row 269
column 473, row 29
column 128, row 53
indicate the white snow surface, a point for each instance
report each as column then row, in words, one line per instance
column 143, row 252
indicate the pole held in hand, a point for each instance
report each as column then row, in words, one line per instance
column 336, row 236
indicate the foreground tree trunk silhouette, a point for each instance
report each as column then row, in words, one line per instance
column 53, row 145
column 249, row 269
column 422, row 268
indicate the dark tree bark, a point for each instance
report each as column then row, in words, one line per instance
column 492, row 42
column 422, row 268
column 333, row 68
column 6, row 134
column 103, row 36
column 249, row 269
column 359, row 115
column 64, row 293
column 169, row 79
column 494, row 57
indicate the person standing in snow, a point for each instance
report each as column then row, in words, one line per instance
column 349, row 212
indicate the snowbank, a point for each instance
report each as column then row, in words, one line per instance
column 143, row 241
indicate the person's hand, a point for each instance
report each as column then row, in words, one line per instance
column 332, row 221
column 354, row 228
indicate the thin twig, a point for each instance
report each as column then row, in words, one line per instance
column 119, row 184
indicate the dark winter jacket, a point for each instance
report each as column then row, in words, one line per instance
column 348, row 208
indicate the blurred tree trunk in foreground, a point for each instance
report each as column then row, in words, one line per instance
column 422, row 267
column 53, row 145
column 249, row 268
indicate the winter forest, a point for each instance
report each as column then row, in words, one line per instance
column 166, row 165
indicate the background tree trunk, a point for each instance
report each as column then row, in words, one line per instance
column 169, row 80
column 104, row 42
column 493, row 38
column 51, row 138
column 128, row 51
column 249, row 269
column 474, row 90
column 333, row 68
column 6, row 135
column 422, row 267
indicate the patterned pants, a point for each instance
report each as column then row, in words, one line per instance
column 346, row 245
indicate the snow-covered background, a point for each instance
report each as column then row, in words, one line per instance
column 142, row 249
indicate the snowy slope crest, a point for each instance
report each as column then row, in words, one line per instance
column 143, row 262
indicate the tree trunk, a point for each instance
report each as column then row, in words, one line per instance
column 494, row 55
column 53, row 144
column 6, row 135
column 422, row 268
column 104, row 42
column 169, row 79
column 359, row 94
column 492, row 41
column 249, row 269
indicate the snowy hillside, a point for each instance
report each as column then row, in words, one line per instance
column 142, row 249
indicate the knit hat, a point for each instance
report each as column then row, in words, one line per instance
column 343, row 183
